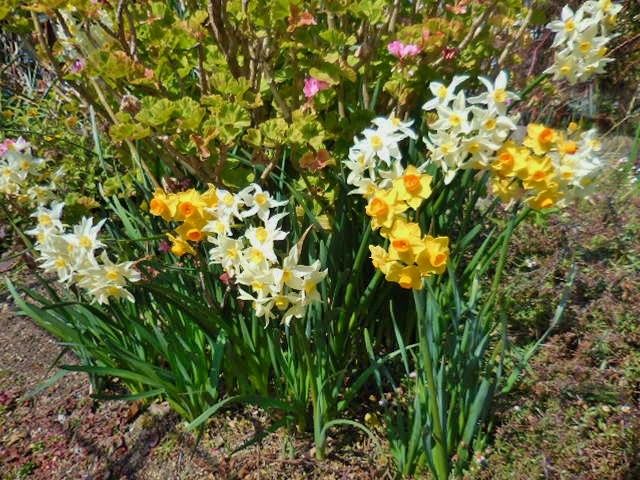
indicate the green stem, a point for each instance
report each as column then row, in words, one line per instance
column 441, row 460
column 355, row 275
column 310, row 375
column 506, row 239
column 529, row 88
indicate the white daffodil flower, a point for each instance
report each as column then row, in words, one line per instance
column 57, row 256
column 229, row 205
column 312, row 279
column 85, row 235
column 394, row 126
column 381, row 144
column 48, row 219
column 258, row 202
column 454, row 118
column 443, row 94
column 227, row 252
column 497, row 97
column 569, row 25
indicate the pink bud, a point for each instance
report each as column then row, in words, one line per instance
column 78, row 65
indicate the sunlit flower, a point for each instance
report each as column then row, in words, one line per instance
column 412, row 187
column 407, row 277
column 497, row 97
column 383, row 208
column 258, row 202
column 443, row 94
column 401, row 50
column 312, row 86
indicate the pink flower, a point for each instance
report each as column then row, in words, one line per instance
column 78, row 65
column 4, row 146
column 313, row 85
column 401, row 50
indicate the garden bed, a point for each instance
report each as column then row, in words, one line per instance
column 575, row 416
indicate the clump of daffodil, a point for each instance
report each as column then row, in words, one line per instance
column 464, row 133
column 243, row 232
column 581, row 39
column 392, row 193
column 410, row 256
column 548, row 167
column 72, row 255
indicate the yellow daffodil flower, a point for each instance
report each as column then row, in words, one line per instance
column 190, row 204
column 192, row 230
column 163, row 205
column 180, row 247
column 413, row 187
column 538, row 173
column 405, row 240
column 509, row 159
column 540, row 138
column 384, row 207
column 506, row 189
column 380, row 258
column 434, row 256
column 545, row 199
column 406, row 276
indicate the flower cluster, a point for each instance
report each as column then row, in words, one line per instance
column 194, row 211
column 392, row 192
column 548, row 167
column 375, row 160
column 467, row 132
column 581, row 38
column 244, row 232
column 71, row 255
column 410, row 256
column 17, row 164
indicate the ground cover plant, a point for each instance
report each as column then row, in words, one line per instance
column 303, row 206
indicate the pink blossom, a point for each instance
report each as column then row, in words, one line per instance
column 4, row 146
column 313, row 85
column 401, row 50
column 78, row 65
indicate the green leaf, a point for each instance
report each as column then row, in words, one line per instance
column 126, row 129
column 156, row 112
